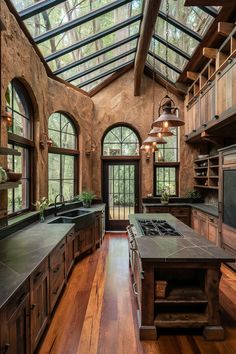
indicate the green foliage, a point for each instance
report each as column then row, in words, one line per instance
column 165, row 195
column 193, row 194
column 41, row 204
column 85, row 196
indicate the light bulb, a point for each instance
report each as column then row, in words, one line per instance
column 159, row 135
column 165, row 124
column 154, row 143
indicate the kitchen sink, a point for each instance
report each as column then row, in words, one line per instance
column 80, row 218
column 74, row 213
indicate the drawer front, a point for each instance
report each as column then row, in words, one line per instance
column 155, row 209
column 57, row 279
column 38, row 274
column 199, row 214
column 70, row 236
column 57, row 256
column 17, row 299
column 229, row 159
column 213, row 233
column 179, row 211
column 213, row 220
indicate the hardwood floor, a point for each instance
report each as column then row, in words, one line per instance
column 97, row 312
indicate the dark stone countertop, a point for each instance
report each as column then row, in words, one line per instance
column 23, row 251
column 190, row 247
column 95, row 207
column 207, row 208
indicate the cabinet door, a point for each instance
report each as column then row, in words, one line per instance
column 181, row 213
column 86, row 239
column 15, row 338
column 195, row 221
column 39, row 303
column 213, row 230
column 98, row 229
column 204, row 226
column 77, row 248
column 70, row 250
column 137, row 273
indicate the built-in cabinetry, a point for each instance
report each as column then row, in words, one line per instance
column 15, row 333
column 180, row 212
column 208, row 99
column 206, row 225
column 227, row 200
column 206, row 172
column 24, row 317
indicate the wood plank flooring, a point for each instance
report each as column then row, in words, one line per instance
column 97, row 312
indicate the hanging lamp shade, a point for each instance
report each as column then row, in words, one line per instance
column 152, row 141
column 168, row 118
column 160, row 132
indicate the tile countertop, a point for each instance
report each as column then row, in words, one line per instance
column 190, row 247
column 23, row 251
column 95, row 207
column 207, row 208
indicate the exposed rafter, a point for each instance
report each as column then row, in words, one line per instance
column 104, row 74
column 147, row 26
column 79, row 21
column 192, row 75
column 209, row 10
column 93, row 38
column 38, row 7
column 96, row 54
column 101, row 65
column 224, row 28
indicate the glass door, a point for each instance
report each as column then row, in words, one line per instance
column 120, row 192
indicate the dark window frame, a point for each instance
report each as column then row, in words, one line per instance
column 19, row 141
column 67, row 152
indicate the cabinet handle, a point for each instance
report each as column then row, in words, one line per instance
column 212, row 219
column 135, row 289
column 21, row 298
column 6, row 348
column 37, row 275
column 32, row 306
column 62, row 246
column 56, row 291
column 55, row 270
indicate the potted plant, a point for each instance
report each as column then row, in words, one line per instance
column 41, row 205
column 86, row 198
column 193, row 195
column 165, row 195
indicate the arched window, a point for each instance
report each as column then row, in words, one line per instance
column 121, row 141
column 63, row 157
column 20, row 137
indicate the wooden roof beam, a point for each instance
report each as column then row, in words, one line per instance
column 210, row 53
column 225, row 28
column 192, row 75
column 147, row 26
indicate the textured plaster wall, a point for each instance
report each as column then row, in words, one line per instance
column 19, row 60
column 116, row 104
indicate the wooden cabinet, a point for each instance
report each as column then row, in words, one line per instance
column 206, row 172
column 57, row 272
column 206, row 225
column 98, row 229
column 70, row 251
column 39, row 302
column 15, row 333
column 86, row 237
column 180, row 212
column 137, row 276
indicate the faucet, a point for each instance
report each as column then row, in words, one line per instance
column 55, row 203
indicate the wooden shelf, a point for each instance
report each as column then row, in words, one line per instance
column 213, row 176
column 8, row 185
column 8, row 151
column 214, row 166
column 200, row 177
column 200, row 168
column 188, row 295
column 207, row 187
column 172, row 319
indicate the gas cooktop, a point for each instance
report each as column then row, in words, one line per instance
column 157, row 228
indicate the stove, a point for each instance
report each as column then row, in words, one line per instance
column 157, row 228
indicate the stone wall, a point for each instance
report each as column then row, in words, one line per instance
column 116, row 103
column 19, row 60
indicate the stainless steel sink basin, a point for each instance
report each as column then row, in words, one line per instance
column 74, row 213
column 80, row 218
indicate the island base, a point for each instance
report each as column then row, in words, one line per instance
column 214, row 333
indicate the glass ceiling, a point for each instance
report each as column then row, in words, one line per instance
column 86, row 41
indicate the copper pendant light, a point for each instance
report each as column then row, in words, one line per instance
column 164, row 131
column 168, row 118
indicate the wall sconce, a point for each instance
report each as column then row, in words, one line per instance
column 45, row 141
column 7, row 116
column 90, row 149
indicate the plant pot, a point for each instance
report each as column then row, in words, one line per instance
column 87, row 204
column 164, row 202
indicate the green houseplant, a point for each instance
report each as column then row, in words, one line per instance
column 165, row 195
column 86, row 198
column 193, row 195
column 41, row 205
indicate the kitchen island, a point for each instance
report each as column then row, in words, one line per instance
column 190, row 266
